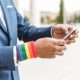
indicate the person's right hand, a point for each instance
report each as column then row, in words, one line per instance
column 50, row 47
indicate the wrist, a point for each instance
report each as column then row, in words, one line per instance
column 33, row 48
column 26, row 51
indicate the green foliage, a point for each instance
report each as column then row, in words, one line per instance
column 61, row 12
column 26, row 18
column 76, row 18
column 42, row 20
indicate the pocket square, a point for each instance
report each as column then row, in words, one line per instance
column 9, row 6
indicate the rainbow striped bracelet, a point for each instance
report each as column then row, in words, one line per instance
column 26, row 51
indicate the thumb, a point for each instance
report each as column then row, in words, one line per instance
column 60, row 42
column 65, row 30
column 61, row 29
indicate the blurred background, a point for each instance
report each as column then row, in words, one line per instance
column 46, row 13
column 42, row 12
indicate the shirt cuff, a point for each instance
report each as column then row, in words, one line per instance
column 15, row 55
column 52, row 31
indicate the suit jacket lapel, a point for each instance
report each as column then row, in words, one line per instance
column 6, row 14
column 2, row 26
column 10, row 17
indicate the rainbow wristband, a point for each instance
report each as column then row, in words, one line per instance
column 26, row 51
column 33, row 49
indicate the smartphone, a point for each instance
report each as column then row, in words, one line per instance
column 69, row 34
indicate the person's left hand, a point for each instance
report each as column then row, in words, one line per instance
column 60, row 31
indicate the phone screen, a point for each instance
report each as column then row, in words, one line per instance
column 68, row 35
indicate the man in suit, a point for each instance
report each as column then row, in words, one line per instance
column 38, row 41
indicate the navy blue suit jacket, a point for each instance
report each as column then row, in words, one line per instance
column 17, row 26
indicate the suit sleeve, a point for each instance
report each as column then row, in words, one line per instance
column 29, row 33
column 23, row 52
column 6, row 58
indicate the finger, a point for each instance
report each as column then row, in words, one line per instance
column 59, row 53
column 59, row 29
column 74, row 36
column 70, row 41
column 70, row 28
column 60, row 42
column 75, row 32
column 65, row 30
column 60, row 48
column 53, row 56
column 47, row 56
